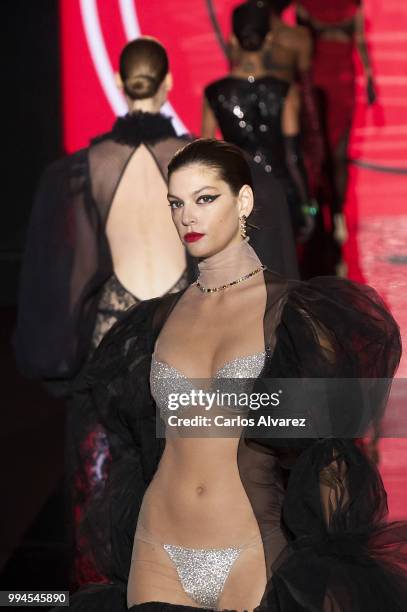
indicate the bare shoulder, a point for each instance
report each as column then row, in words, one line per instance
column 296, row 37
column 302, row 38
column 302, row 32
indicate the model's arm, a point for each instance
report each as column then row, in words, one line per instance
column 294, row 157
column 304, row 49
column 291, row 111
column 333, row 488
column 209, row 123
column 291, row 131
column 360, row 39
column 58, row 291
column 313, row 131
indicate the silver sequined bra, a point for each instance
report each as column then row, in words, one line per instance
column 165, row 380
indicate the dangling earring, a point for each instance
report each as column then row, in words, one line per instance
column 242, row 224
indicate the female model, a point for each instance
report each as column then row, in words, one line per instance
column 249, row 106
column 337, row 27
column 246, row 522
column 100, row 240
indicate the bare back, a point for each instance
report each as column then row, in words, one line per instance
column 288, row 51
column 148, row 256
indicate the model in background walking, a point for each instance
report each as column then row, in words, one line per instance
column 100, row 240
column 337, row 28
column 250, row 108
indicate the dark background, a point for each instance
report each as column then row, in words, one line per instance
column 31, row 87
column 32, row 521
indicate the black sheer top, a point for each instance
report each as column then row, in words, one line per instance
column 67, row 268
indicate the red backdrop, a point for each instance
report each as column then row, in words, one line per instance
column 93, row 32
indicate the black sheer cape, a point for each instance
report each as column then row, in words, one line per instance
column 341, row 556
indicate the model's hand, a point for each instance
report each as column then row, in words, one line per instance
column 371, row 91
column 306, row 230
column 309, row 211
column 340, row 228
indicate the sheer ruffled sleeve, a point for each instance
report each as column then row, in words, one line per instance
column 114, row 387
column 348, row 318
column 342, row 556
column 65, row 263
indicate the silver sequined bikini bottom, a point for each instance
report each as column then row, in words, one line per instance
column 202, row 571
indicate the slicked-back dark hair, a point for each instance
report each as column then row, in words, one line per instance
column 227, row 159
column 250, row 24
column 143, row 66
column 278, row 6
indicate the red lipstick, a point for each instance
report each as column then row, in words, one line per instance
column 193, row 236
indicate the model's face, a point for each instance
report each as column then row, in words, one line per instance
column 205, row 211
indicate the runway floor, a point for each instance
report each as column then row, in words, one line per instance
column 376, row 208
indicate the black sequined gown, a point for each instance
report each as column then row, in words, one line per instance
column 248, row 112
